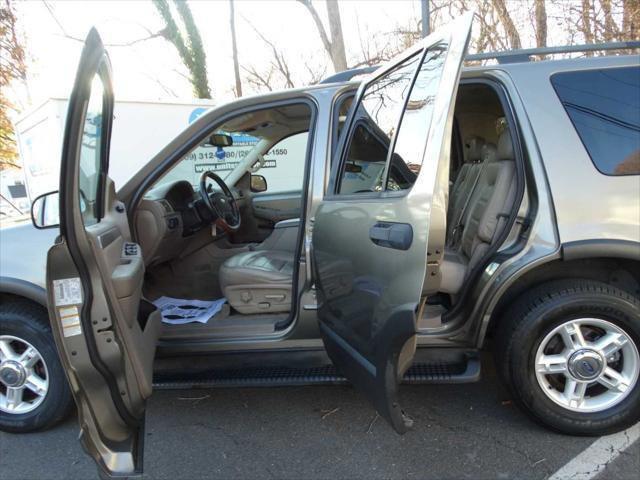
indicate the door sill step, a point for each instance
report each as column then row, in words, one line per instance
column 418, row 373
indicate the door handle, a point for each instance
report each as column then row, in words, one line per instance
column 392, row 235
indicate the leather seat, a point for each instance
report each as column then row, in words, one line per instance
column 483, row 214
column 259, row 281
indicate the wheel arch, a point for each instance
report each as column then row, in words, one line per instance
column 615, row 262
column 16, row 287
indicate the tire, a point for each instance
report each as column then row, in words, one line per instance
column 28, row 322
column 528, row 328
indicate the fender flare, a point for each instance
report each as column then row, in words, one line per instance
column 22, row 288
column 576, row 250
column 601, row 248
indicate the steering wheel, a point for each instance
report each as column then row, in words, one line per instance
column 222, row 205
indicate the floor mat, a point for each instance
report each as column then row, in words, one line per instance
column 178, row 311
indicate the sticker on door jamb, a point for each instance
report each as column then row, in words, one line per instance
column 70, row 320
column 67, row 291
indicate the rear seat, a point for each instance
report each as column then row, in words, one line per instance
column 465, row 180
column 491, row 200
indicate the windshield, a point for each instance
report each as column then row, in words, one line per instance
column 218, row 159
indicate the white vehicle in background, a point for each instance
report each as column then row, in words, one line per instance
column 39, row 134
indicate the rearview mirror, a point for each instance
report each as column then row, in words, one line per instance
column 45, row 211
column 221, row 140
column 258, row 184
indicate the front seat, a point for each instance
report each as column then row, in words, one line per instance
column 258, row 281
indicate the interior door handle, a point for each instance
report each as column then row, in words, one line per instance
column 392, row 235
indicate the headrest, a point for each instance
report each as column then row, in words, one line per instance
column 489, row 152
column 505, row 146
column 473, row 149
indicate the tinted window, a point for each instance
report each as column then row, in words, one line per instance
column 604, row 107
column 416, row 119
column 90, row 154
column 376, row 119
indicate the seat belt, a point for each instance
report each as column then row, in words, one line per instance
column 456, row 233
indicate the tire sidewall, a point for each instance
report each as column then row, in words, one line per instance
column 58, row 397
column 534, row 329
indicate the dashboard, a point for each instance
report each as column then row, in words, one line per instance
column 169, row 216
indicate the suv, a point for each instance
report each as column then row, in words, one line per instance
column 377, row 232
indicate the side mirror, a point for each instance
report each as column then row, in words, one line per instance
column 258, row 184
column 352, row 168
column 221, row 140
column 44, row 211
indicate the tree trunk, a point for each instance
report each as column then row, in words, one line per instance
column 630, row 20
column 338, row 55
column 234, row 49
column 507, row 23
column 191, row 52
column 335, row 45
column 610, row 28
column 541, row 23
column 585, row 13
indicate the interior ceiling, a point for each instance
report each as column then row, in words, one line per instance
column 478, row 99
column 272, row 122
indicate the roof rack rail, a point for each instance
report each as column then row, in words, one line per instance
column 507, row 56
column 524, row 55
column 347, row 75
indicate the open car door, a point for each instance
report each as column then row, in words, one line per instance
column 105, row 332
column 379, row 234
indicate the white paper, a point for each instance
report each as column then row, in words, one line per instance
column 178, row 311
column 67, row 291
column 70, row 320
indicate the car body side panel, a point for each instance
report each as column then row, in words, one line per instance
column 23, row 253
column 588, row 204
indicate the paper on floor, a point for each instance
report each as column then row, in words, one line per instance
column 178, row 311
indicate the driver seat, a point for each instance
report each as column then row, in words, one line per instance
column 259, row 281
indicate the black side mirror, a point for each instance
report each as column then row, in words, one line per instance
column 352, row 168
column 258, row 184
column 45, row 211
column 221, row 140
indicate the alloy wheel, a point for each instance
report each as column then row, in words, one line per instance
column 587, row 365
column 24, row 378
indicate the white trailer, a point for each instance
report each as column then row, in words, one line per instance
column 140, row 130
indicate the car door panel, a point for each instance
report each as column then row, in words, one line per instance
column 277, row 207
column 371, row 246
column 105, row 333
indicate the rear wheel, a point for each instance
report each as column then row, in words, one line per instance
column 569, row 353
column 34, row 394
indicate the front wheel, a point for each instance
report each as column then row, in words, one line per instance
column 569, row 353
column 34, row 394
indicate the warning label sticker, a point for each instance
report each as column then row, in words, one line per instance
column 70, row 320
column 67, row 291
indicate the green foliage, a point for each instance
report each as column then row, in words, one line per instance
column 190, row 48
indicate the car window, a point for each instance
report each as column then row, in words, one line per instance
column 406, row 160
column 376, row 118
column 603, row 106
column 283, row 165
column 221, row 160
column 90, row 155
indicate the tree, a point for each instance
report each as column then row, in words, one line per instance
column 541, row 23
column 234, row 49
column 631, row 19
column 507, row 22
column 12, row 67
column 190, row 48
column 334, row 45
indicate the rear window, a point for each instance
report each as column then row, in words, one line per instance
column 604, row 107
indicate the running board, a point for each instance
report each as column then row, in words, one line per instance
column 418, row 373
